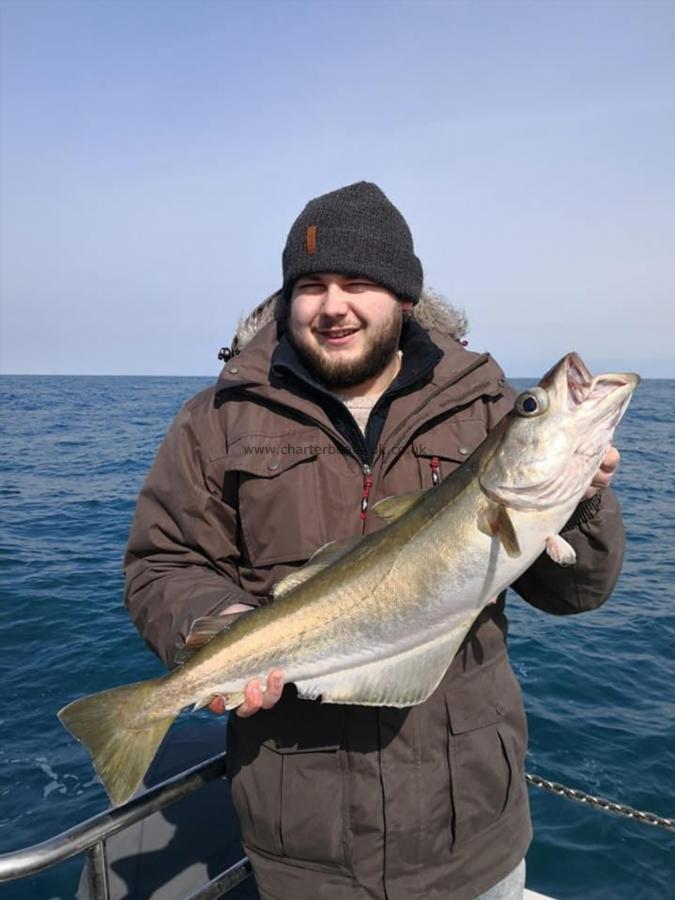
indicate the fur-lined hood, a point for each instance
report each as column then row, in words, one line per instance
column 433, row 312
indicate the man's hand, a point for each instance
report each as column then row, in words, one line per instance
column 255, row 697
column 605, row 473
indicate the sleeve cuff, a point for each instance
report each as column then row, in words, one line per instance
column 585, row 511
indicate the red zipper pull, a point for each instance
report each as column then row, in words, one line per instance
column 367, row 484
column 435, row 474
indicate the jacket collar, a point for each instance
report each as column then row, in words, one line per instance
column 267, row 355
column 453, row 376
column 420, row 357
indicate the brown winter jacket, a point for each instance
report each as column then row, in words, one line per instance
column 342, row 802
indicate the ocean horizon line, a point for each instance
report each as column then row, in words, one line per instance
column 214, row 376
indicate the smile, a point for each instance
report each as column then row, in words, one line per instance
column 336, row 336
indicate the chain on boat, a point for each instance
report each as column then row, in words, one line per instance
column 647, row 818
column 90, row 837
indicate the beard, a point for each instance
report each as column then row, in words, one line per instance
column 337, row 374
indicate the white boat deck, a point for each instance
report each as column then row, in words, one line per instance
column 532, row 895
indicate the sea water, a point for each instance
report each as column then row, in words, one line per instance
column 599, row 687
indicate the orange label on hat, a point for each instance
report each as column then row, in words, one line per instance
column 311, row 239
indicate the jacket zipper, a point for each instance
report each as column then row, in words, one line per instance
column 367, row 485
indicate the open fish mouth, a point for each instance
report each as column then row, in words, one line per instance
column 564, row 442
column 611, row 390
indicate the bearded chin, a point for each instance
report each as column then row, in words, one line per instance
column 339, row 374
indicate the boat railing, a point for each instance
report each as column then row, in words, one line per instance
column 90, row 837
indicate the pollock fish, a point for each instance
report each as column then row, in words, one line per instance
column 377, row 620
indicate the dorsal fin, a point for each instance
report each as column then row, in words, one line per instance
column 392, row 508
column 319, row 561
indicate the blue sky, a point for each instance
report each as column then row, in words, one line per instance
column 154, row 154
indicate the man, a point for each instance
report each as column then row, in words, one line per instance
column 349, row 386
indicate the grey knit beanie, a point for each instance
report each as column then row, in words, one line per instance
column 355, row 230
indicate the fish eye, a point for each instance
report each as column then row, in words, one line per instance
column 532, row 403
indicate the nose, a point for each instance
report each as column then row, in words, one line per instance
column 334, row 302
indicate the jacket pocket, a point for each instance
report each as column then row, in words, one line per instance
column 445, row 446
column 484, row 769
column 291, row 792
column 278, row 496
column 313, row 805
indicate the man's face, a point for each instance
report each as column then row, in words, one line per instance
column 346, row 329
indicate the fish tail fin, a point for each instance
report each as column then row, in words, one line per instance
column 121, row 742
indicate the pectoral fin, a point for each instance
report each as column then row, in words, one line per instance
column 494, row 521
column 402, row 680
